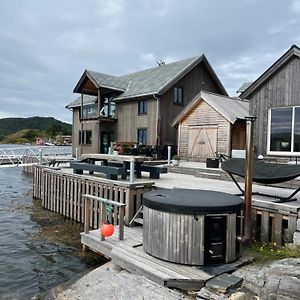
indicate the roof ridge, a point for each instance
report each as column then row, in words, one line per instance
column 224, row 96
column 193, row 58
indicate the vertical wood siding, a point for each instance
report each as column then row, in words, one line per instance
column 282, row 89
column 174, row 237
column 204, row 115
column 129, row 121
column 62, row 193
column 195, row 81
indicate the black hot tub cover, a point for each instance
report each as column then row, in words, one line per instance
column 192, row 202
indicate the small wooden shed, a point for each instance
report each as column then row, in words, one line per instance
column 211, row 123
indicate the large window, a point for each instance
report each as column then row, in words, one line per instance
column 109, row 108
column 89, row 111
column 142, row 136
column 284, row 130
column 178, row 95
column 85, row 137
column 142, row 107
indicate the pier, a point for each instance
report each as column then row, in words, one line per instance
column 64, row 192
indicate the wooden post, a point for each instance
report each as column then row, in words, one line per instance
column 87, row 204
column 103, row 218
column 121, row 222
column 131, row 171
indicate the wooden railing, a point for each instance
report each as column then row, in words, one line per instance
column 118, row 214
column 62, row 193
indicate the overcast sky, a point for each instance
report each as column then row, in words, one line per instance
column 46, row 45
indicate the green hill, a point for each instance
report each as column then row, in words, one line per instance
column 29, row 128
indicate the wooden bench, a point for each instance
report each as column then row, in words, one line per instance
column 110, row 171
column 154, row 171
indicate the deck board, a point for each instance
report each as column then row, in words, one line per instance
column 129, row 254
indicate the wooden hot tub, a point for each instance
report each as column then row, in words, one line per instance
column 194, row 227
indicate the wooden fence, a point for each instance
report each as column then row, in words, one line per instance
column 63, row 193
column 274, row 222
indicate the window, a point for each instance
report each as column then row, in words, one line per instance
column 89, row 111
column 142, row 107
column 284, row 130
column 178, row 95
column 109, row 108
column 85, row 137
column 142, row 136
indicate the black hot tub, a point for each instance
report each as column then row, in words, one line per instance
column 194, row 227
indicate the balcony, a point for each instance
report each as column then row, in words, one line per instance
column 107, row 112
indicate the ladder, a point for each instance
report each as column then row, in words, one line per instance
column 137, row 218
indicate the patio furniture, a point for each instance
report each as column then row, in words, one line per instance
column 265, row 173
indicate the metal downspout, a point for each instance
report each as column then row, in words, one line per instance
column 98, row 123
column 81, row 123
column 157, row 121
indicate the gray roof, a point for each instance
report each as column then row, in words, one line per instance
column 109, row 81
column 86, row 100
column 243, row 87
column 230, row 108
column 292, row 52
column 156, row 80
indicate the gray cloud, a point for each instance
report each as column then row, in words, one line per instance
column 46, row 45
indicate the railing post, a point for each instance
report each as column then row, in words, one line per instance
column 103, row 216
column 131, row 171
column 40, row 157
column 169, row 155
column 121, row 222
column 87, row 206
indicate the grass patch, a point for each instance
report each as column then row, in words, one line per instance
column 262, row 252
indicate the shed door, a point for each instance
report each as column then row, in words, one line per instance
column 202, row 141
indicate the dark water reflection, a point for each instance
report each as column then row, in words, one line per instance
column 38, row 249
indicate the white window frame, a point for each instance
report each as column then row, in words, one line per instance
column 281, row 153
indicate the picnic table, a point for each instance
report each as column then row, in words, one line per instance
column 114, row 165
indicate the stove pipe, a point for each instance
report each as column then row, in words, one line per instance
column 248, row 178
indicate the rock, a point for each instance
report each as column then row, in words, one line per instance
column 279, row 287
column 289, row 287
column 253, row 277
column 108, row 282
column 209, row 294
column 275, row 280
column 224, row 282
column 297, row 238
column 298, row 225
column 242, row 296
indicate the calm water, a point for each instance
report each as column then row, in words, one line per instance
column 38, row 249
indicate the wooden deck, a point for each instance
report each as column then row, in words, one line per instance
column 129, row 255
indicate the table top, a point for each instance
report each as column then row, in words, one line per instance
column 101, row 156
column 187, row 201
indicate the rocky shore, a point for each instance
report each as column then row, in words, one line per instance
column 267, row 281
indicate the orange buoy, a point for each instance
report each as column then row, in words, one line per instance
column 107, row 229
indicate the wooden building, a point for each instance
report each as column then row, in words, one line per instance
column 275, row 99
column 139, row 107
column 211, row 123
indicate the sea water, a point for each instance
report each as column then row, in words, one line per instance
column 38, row 249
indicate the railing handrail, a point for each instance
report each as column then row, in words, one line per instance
column 87, row 207
column 103, row 200
column 16, row 155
